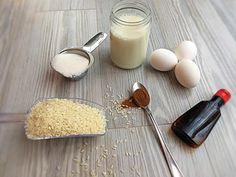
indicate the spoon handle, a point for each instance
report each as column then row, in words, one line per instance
column 94, row 42
column 12, row 117
column 173, row 167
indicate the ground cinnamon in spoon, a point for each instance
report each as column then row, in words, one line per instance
column 140, row 98
column 128, row 103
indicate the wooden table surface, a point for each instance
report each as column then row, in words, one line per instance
column 33, row 31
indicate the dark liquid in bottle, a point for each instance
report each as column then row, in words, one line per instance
column 194, row 126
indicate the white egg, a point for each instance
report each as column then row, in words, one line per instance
column 187, row 73
column 163, row 59
column 186, row 50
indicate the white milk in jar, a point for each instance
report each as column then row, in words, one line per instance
column 130, row 28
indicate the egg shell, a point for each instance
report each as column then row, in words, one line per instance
column 186, row 50
column 187, row 73
column 163, row 60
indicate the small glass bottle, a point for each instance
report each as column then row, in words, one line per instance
column 194, row 126
column 130, row 28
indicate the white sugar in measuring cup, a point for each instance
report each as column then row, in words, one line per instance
column 84, row 51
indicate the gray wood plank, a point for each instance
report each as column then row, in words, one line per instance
column 226, row 11
column 32, row 32
column 29, row 56
column 215, row 157
column 62, row 5
column 125, row 153
column 220, row 146
column 170, row 99
column 121, row 152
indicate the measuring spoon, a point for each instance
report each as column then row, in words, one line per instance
column 142, row 99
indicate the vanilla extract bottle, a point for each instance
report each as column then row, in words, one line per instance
column 194, row 126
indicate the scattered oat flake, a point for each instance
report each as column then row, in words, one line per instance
column 99, row 165
column 138, row 173
column 122, row 171
column 113, row 155
column 93, row 174
column 83, row 163
column 76, row 160
column 127, row 126
column 104, row 174
column 114, row 146
column 110, row 172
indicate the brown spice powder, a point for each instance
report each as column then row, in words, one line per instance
column 140, row 98
column 128, row 103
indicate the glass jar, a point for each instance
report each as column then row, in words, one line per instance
column 130, row 28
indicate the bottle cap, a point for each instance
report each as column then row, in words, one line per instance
column 223, row 94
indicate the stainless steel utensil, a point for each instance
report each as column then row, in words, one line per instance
column 173, row 167
column 22, row 117
column 84, row 51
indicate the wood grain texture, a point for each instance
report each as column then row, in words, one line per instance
column 128, row 154
column 33, row 31
column 30, row 70
column 62, row 5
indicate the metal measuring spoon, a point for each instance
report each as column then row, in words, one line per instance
column 141, row 98
column 84, row 51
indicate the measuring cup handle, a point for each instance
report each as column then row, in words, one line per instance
column 94, row 42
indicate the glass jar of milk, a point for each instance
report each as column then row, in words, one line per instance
column 130, row 28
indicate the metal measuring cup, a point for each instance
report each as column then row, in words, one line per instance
column 84, row 51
